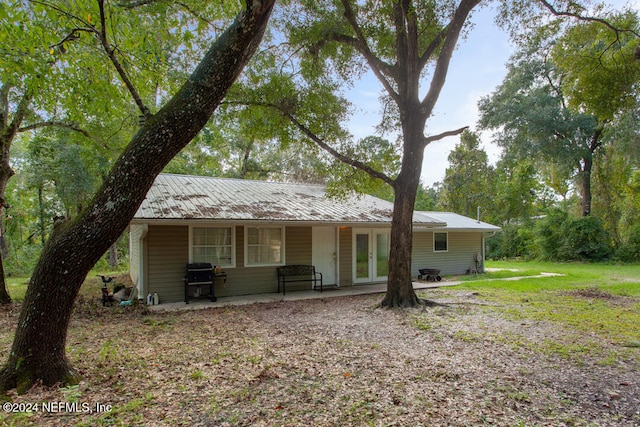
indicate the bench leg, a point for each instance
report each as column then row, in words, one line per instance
column 283, row 281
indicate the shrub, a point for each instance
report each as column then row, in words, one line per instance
column 629, row 249
column 584, row 239
column 562, row 237
column 513, row 242
column 548, row 237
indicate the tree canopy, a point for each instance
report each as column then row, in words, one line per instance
column 561, row 94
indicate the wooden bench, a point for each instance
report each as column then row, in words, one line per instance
column 298, row 273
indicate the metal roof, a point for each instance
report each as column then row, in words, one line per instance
column 456, row 222
column 183, row 197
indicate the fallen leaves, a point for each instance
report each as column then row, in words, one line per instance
column 330, row 363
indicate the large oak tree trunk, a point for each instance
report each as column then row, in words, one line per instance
column 413, row 116
column 400, row 291
column 38, row 351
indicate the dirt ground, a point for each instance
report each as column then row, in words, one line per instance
column 332, row 362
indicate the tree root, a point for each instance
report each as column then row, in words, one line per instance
column 429, row 303
column 22, row 376
column 420, row 302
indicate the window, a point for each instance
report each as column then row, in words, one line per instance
column 265, row 246
column 214, row 245
column 440, row 242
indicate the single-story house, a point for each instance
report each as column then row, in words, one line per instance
column 249, row 228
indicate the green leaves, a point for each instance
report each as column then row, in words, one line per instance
column 600, row 71
column 377, row 153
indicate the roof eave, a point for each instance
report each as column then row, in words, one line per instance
column 187, row 221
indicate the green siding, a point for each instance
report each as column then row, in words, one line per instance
column 346, row 256
column 298, row 251
column 462, row 247
column 244, row 280
column 167, row 257
column 168, row 252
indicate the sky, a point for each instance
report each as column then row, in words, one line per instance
column 477, row 67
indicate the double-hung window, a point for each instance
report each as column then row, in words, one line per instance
column 440, row 242
column 264, row 246
column 214, row 245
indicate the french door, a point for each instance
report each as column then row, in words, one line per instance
column 370, row 255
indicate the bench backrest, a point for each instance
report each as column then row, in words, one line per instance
column 296, row 270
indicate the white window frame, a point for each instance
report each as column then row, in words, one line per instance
column 264, row 264
column 446, row 234
column 233, row 243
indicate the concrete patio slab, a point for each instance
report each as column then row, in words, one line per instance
column 379, row 288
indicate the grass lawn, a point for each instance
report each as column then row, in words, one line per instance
column 17, row 287
column 602, row 300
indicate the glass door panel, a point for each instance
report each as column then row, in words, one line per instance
column 362, row 257
column 382, row 255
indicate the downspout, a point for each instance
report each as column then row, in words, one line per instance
column 141, row 266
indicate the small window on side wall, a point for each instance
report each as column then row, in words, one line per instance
column 440, row 242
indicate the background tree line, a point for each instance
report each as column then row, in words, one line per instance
column 566, row 117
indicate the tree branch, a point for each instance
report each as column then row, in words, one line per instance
column 442, row 64
column 385, row 69
column 132, row 4
column 604, row 22
column 72, row 36
column 344, row 159
column 428, row 140
column 326, row 147
column 18, row 117
column 596, row 141
column 407, row 48
column 378, row 67
column 55, row 123
column 110, row 51
column 4, row 106
column 194, row 13
column 429, row 50
column 102, row 38
column 556, row 88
